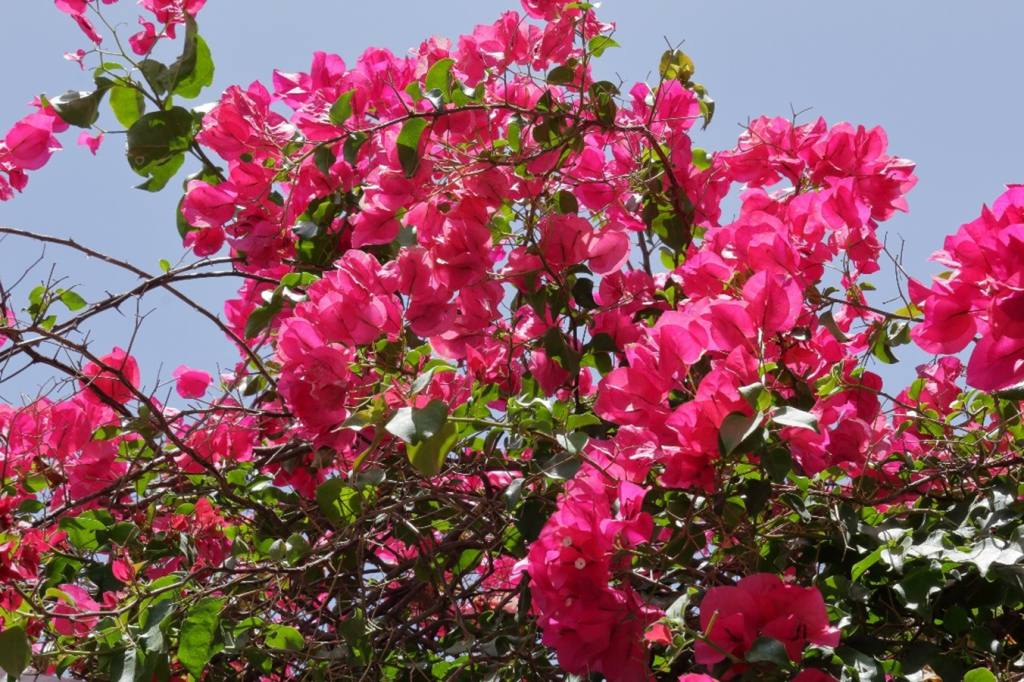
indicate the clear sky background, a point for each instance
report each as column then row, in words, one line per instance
column 937, row 76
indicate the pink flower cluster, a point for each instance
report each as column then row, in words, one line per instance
column 169, row 13
column 761, row 605
column 31, row 141
column 62, row 432
column 743, row 282
column 744, row 287
column 980, row 295
column 27, row 146
column 579, row 566
column 476, row 248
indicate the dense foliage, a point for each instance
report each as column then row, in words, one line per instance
column 512, row 400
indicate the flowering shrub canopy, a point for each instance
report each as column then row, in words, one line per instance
column 513, row 400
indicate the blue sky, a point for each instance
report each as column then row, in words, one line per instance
column 935, row 75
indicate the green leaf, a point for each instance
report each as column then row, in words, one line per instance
column 299, row 279
column 306, row 229
column 1013, row 392
column 152, row 635
column 983, row 554
column 284, row 637
column 667, row 258
column 768, row 650
column 755, row 495
column 830, row 324
column 881, row 348
column 676, row 65
column 350, row 148
column 756, row 395
column 161, row 173
column 736, row 428
column 198, row 631
column 324, row 158
column 583, row 293
column 439, row 77
column 201, row 76
column 790, row 416
column 422, row 381
column 78, row 108
column 555, row 346
column 123, row 669
column 155, row 74
column 918, row 589
column 179, row 218
column 128, row 104
column 165, row 265
column 514, row 136
column 867, row 668
column 158, row 137
column 428, row 456
column 561, row 75
column 864, row 564
column 82, row 530
column 532, row 516
column 573, row 443
column 603, row 94
column 562, row 465
column 676, row 612
column 341, row 110
column 35, row 483
column 15, row 651
column 339, row 501
column 409, row 145
column 415, row 424
column 598, row 44
column 980, row 675
column 701, row 159
column 261, row 318
column 72, row 300
column 469, row 559
column 183, row 68
column 567, row 202
column 707, row 109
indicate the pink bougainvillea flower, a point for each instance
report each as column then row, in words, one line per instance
column 71, row 603
column 773, row 302
column 659, row 633
column 77, row 56
column 30, row 142
column 208, row 205
column 92, row 469
column 6, row 320
column 206, row 241
column 544, row 9
column 172, row 11
column 115, row 378
column 87, row 28
column 607, row 251
column 996, row 363
column 191, row 383
column 72, row 7
column 980, row 295
column 123, row 570
column 762, row 605
column 143, row 41
column 91, row 141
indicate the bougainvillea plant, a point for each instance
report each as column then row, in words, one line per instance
column 512, row 400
